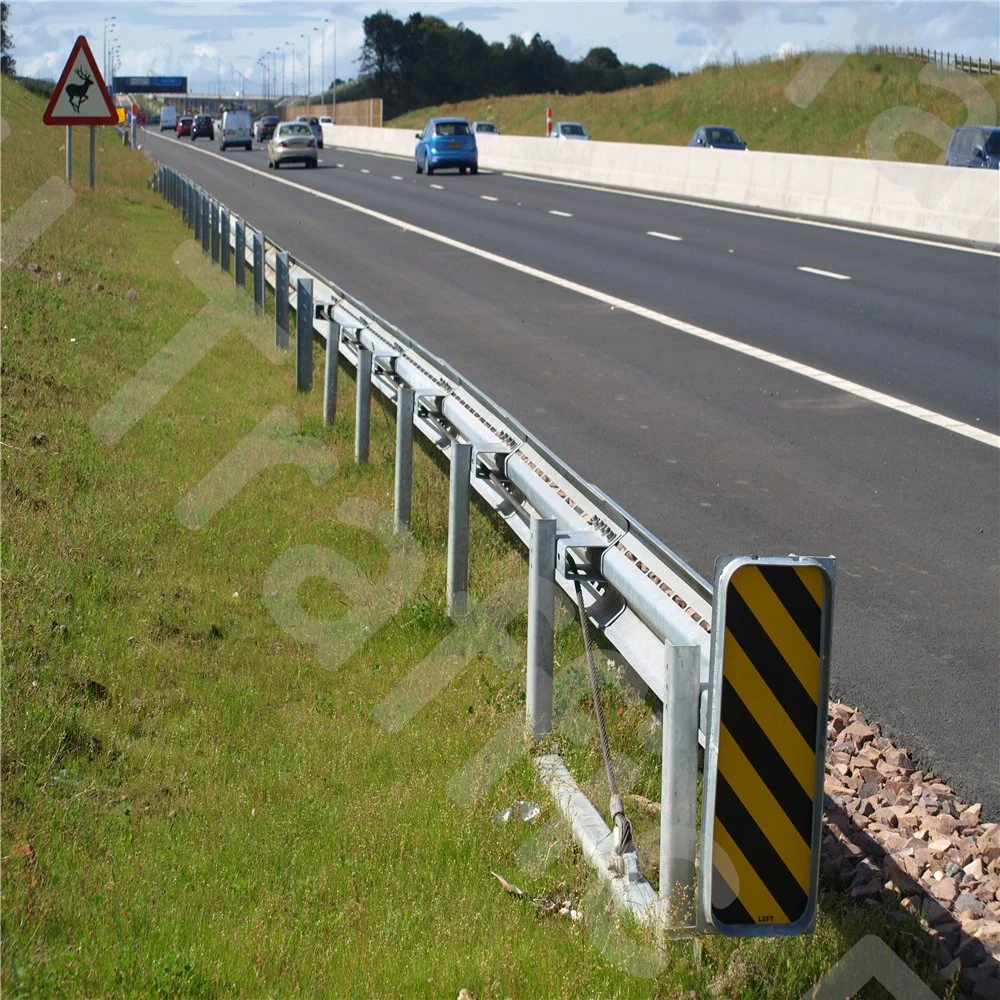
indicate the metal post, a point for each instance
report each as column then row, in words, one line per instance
column 304, row 334
column 224, row 256
column 330, row 373
column 205, row 222
column 281, row 299
column 240, row 270
column 541, row 624
column 214, row 223
column 679, row 785
column 458, row 529
column 69, row 154
column 258, row 273
column 134, row 135
column 186, row 202
column 93, row 154
column 196, row 202
column 403, row 499
column 362, row 411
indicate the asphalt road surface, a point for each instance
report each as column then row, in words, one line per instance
column 691, row 362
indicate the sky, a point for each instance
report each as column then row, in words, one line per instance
column 219, row 46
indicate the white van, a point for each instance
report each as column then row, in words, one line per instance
column 237, row 129
column 168, row 117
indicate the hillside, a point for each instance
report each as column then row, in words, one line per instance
column 842, row 120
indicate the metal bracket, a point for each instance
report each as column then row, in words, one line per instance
column 583, row 564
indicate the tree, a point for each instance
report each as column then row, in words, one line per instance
column 7, row 65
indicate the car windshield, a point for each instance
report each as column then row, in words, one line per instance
column 270, row 121
column 720, row 135
column 452, row 128
column 993, row 144
column 296, row 128
column 572, row 129
column 484, row 127
column 204, row 120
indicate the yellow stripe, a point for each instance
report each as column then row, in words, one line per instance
column 779, row 625
column 769, row 715
column 750, row 890
column 812, row 577
column 757, row 799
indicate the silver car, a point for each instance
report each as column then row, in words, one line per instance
column 293, row 142
column 569, row 130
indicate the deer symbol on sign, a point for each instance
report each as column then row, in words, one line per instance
column 78, row 91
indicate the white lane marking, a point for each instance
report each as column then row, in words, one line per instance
column 768, row 357
column 825, row 274
column 365, row 170
column 755, row 213
column 488, row 197
column 340, row 166
column 665, row 236
column 438, row 187
column 562, row 215
column 396, row 177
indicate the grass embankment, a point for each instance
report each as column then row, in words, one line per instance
column 193, row 805
column 752, row 98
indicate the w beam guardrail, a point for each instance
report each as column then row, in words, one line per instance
column 753, row 692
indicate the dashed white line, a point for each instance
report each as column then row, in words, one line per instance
column 340, row 166
column 438, row 187
column 365, row 170
column 562, row 215
column 488, row 197
column 396, row 177
column 665, row 236
column 825, row 274
column 671, row 322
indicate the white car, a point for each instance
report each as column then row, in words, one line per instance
column 484, row 128
column 237, row 129
column 569, row 130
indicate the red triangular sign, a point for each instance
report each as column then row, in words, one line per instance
column 81, row 98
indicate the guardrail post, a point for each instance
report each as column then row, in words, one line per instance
column 679, row 785
column 458, row 529
column 330, row 372
column 196, row 213
column 214, row 223
column 224, row 255
column 303, row 334
column 541, row 624
column 205, row 220
column 281, row 299
column 186, row 199
column 403, row 494
column 363, row 409
column 240, row 270
column 258, row 273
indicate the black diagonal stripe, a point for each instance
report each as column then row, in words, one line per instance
column 771, row 665
column 735, row 913
column 788, row 587
column 766, row 761
column 757, row 849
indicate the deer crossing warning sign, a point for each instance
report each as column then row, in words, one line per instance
column 80, row 97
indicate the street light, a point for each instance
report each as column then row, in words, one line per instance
column 107, row 21
column 308, row 74
column 322, row 62
column 334, row 116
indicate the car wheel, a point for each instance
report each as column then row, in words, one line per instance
column 249, row 147
column 461, row 170
column 277, row 163
column 475, row 169
column 420, row 168
column 430, row 169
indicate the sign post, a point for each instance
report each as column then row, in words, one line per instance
column 80, row 84
column 765, row 741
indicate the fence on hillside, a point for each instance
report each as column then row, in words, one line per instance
column 947, row 60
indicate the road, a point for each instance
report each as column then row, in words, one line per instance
column 659, row 348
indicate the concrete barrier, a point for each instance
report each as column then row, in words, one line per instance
column 925, row 199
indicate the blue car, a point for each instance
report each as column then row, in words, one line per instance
column 447, row 142
column 974, row 146
column 717, row 137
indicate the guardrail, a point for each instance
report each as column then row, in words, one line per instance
column 647, row 602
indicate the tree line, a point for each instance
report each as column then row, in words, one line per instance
column 424, row 61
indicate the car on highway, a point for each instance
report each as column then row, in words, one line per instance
column 325, row 120
column 168, row 117
column 153, row 120
column 974, row 146
column 235, row 129
column 479, row 128
column 184, row 124
column 264, row 127
column 444, row 143
column 569, row 130
column 292, row 142
column 203, row 128
column 717, row 137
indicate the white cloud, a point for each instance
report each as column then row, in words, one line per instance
column 786, row 50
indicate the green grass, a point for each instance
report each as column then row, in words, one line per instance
column 193, row 806
column 842, row 120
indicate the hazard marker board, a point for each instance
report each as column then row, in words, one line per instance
column 80, row 97
column 764, row 756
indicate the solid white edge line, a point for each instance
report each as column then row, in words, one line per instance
column 562, row 215
column 825, row 274
column 665, row 236
column 768, row 357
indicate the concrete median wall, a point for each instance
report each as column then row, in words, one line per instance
column 947, row 202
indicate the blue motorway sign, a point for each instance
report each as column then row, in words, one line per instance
column 150, row 84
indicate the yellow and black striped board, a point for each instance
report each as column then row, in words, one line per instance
column 763, row 778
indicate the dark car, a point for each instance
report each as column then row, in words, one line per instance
column 717, row 137
column 974, row 146
column 184, row 124
column 266, row 127
column 203, row 128
column 447, row 142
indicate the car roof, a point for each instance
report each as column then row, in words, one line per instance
column 435, row 120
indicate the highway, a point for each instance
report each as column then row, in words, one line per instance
column 738, row 382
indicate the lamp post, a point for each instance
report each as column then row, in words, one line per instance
column 334, row 116
column 108, row 20
column 308, row 74
column 322, row 62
